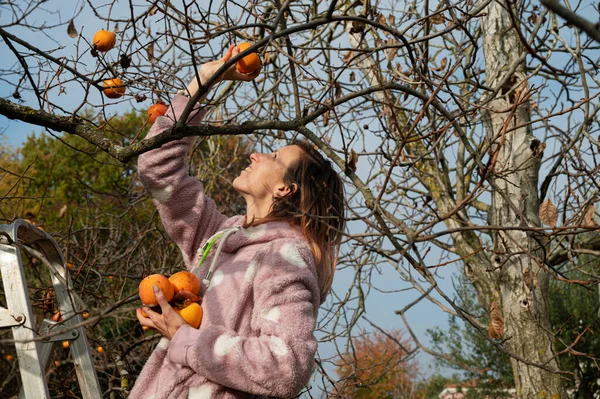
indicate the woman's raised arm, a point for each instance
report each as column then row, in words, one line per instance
column 188, row 215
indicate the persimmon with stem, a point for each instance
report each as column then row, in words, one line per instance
column 156, row 110
column 104, row 40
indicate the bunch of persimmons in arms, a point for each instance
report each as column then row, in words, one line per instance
column 180, row 290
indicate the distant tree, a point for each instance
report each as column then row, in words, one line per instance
column 377, row 367
column 467, row 349
column 573, row 310
column 12, row 183
column 66, row 170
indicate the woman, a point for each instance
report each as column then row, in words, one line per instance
column 269, row 269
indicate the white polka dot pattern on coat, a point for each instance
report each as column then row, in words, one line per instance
column 251, row 271
column 224, row 344
column 202, row 392
column 278, row 346
column 253, row 233
column 163, row 344
column 271, row 314
column 162, row 194
column 290, row 253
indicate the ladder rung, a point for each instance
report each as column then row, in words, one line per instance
column 8, row 318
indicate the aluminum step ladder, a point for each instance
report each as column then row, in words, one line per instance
column 33, row 343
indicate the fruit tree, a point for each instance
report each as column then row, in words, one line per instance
column 466, row 132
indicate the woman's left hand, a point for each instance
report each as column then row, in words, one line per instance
column 166, row 323
column 209, row 68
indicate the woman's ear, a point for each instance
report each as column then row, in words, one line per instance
column 284, row 190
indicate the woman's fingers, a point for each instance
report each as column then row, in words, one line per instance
column 232, row 73
column 231, row 52
column 247, row 77
column 145, row 321
column 165, row 307
column 167, row 322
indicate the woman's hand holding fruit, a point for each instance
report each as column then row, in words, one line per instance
column 207, row 70
column 167, row 323
column 177, row 299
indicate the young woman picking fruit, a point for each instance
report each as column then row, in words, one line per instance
column 264, row 274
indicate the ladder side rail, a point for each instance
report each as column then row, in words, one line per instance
column 33, row 376
column 80, row 349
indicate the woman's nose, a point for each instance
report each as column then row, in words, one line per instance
column 255, row 156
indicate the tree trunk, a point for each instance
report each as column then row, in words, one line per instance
column 514, row 167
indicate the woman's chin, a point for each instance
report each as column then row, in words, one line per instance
column 238, row 185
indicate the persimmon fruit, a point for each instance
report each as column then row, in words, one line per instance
column 114, row 88
column 192, row 314
column 156, row 110
column 9, row 358
column 185, row 281
column 104, row 40
column 65, row 344
column 146, row 289
column 57, row 317
column 99, row 349
column 249, row 63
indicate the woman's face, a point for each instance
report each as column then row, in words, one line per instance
column 263, row 178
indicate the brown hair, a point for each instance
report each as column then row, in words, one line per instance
column 316, row 204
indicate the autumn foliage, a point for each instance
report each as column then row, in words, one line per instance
column 379, row 367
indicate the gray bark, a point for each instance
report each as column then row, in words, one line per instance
column 517, row 259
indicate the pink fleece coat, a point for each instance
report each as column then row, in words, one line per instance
column 257, row 334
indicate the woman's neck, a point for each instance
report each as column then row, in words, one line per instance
column 256, row 210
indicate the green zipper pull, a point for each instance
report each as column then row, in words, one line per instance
column 206, row 247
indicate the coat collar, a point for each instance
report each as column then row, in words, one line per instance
column 262, row 233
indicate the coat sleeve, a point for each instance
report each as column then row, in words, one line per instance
column 279, row 359
column 188, row 215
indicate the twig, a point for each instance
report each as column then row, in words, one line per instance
column 574, row 19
